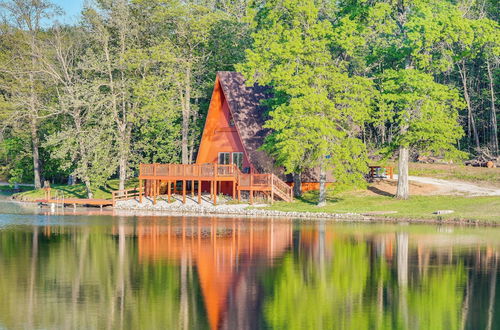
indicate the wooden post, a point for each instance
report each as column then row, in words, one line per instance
column 272, row 189
column 184, row 191
column 239, row 195
column 192, row 188
column 212, row 190
column 154, row 192
column 169, row 183
column 391, row 172
column 199, row 191
column 140, row 191
column 234, row 189
column 215, row 193
column 251, row 196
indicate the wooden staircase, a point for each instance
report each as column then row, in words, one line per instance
column 267, row 183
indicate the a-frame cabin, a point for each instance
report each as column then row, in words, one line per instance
column 229, row 158
column 233, row 129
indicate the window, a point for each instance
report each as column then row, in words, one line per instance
column 238, row 159
column 224, row 158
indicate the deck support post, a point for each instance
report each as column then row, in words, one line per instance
column 234, row 190
column 239, row 195
column 212, row 190
column 169, row 192
column 183, row 191
column 215, row 193
column 140, row 191
column 199, row 191
column 251, row 196
column 192, row 188
column 154, row 192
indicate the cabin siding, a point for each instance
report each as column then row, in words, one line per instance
column 218, row 135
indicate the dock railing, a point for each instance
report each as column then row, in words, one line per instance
column 123, row 195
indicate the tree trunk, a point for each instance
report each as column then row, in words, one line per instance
column 35, row 143
column 90, row 194
column 322, row 186
column 297, row 184
column 125, row 135
column 122, row 171
column 403, row 191
column 494, row 127
column 470, row 117
column 186, row 116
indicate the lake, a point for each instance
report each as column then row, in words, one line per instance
column 75, row 269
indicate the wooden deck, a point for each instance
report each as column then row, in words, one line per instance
column 153, row 176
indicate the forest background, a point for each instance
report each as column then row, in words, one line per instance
column 131, row 81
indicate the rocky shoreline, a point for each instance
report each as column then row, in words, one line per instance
column 207, row 208
column 192, row 208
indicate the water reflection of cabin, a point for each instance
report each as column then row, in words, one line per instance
column 226, row 254
column 229, row 158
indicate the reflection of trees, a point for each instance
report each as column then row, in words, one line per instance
column 355, row 288
column 307, row 297
column 436, row 301
column 231, row 274
column 85, row 278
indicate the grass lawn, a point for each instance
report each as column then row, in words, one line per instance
column 76, row 191
column 417, row 207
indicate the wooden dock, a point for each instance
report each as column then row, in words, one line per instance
column 77, row 201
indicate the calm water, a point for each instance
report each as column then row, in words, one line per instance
column 108, row 271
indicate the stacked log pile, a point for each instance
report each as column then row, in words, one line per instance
column 484, row 159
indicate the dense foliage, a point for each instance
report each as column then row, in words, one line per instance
column 130, row 82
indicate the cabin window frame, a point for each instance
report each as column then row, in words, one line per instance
column 222, row 161
column 233, row 160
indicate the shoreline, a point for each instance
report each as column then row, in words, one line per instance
column 245, row 210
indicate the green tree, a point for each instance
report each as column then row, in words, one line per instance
column 318, row 108
column 405, row 45
column 21, row 79
column 425, row 113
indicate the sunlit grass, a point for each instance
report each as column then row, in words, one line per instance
column 417, row 207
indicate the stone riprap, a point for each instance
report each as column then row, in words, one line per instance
column 223, row 208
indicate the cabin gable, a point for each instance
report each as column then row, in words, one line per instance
column 220, row 134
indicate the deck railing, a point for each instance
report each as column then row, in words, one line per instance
column 188, row 170
column 252, row 181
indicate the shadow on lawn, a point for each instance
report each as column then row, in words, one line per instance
column 311, row 198
column 71, row 191
column 379, row 192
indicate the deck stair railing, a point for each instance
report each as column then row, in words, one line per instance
column 280, row 188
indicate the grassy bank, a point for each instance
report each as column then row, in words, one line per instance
column 418, row 207
column 75, row 191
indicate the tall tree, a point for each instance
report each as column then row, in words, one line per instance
column 25, row 84
column 86, row 142
column 405, row 44
column 317, row 109
column 183, row 30
column 114, row 33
